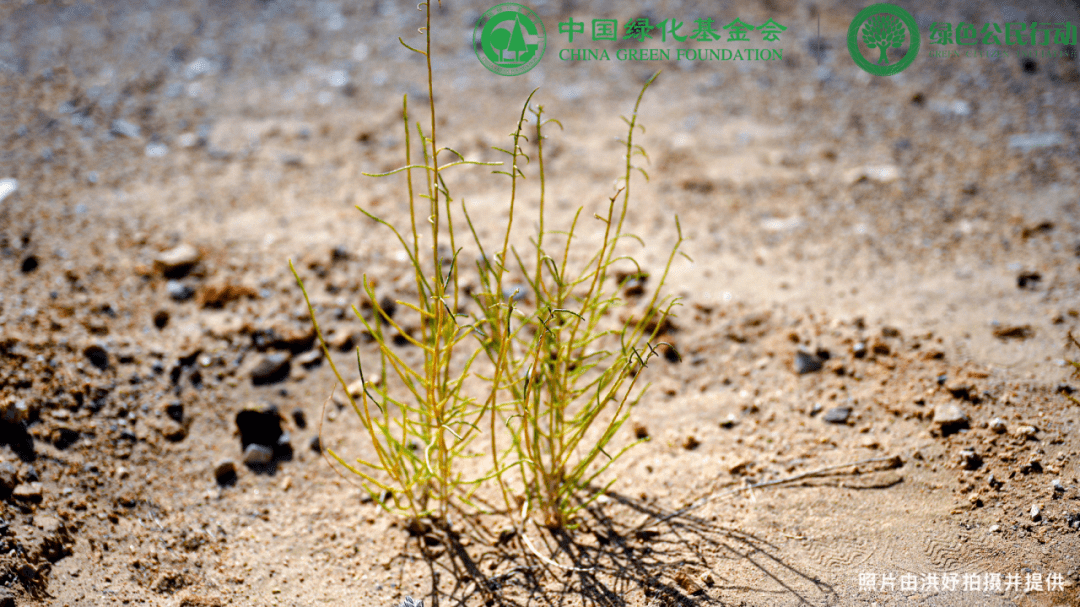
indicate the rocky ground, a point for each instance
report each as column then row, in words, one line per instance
column 875, row 319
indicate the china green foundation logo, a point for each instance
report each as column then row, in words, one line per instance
column 877, row 29
column 509, row 39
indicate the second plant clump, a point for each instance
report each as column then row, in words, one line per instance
column 535, row 378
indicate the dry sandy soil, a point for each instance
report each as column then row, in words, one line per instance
column 948, row 279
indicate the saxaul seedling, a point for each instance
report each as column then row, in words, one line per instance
column 540, row 377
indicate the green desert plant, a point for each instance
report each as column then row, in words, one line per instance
column 539, row 376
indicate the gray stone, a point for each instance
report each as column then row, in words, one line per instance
column 805, row 362
column 1057, row 486
column 258, row 455
column 1029, row 141
column 837, row 415
column 997, row 426
column 950, row 419
column 270, row 369
column 1036, row 512
column 125, row 129
column 179, row 291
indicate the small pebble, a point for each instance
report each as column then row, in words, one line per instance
column 179, row 291
column 805, row 362
column 178, row 261
column 315, row 444
column 98, row 356
column 1036, row 513
column 299, row 418
column 225, row 472
column 1025, row 431
column 837, row 415
column 729, row 421
column 1057, row 486
column 270, row 369
column 258, row 455
column 950, row 419
column 997, row 426
column 175, row 410
column 970, row 460
column 994, row 528
column 124, row 129
column 28, row 492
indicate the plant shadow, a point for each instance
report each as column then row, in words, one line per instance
column 669, row 560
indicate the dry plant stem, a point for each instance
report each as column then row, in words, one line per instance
column 749, row 487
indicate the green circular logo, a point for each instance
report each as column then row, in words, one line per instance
column 880, row 27
column 509, row 39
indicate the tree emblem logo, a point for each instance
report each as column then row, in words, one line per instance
column 509, row 39
column 880, row 27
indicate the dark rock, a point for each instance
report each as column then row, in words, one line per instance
column 29, row 264
column 315, row 444
column 970, row 460
column 98, row 356
column 271, row 368
column 837, row 415
column 388, row 305
column 890, row 332
column 859, row 350
column 260, row 427
column 1028, row 280
column 225, row 472
column 179, row 291
column 161, row 318
column 175, row 410
column 805, row 362
column 62, row 437
column 299, row 418
column 1032, row 466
